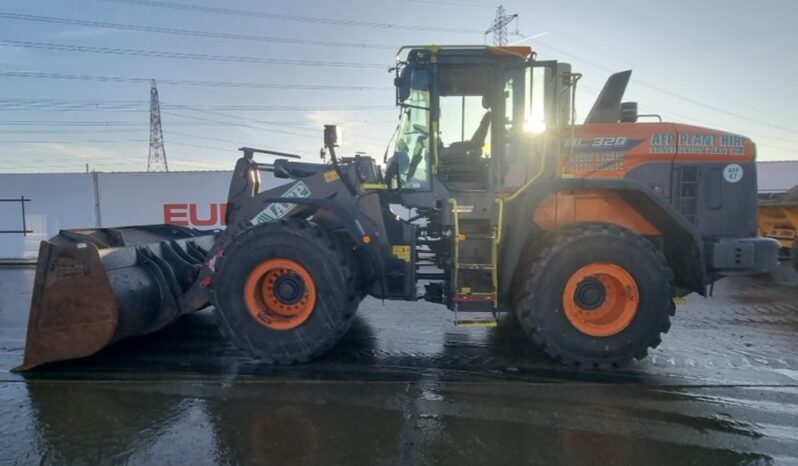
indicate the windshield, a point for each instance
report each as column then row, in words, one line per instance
column 410, row 161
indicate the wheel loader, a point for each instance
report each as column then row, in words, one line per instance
column 587, row 232
column 778, row 219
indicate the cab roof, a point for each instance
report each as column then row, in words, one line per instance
column 466, row 54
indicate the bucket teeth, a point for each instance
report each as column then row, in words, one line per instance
column 95, row 287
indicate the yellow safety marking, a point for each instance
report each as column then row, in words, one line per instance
column 330, row 176
column 401, row 251
column 435, row 148
column 374, row 186
column 475, row 323
column 434, row 49
column 453, row 202
column 680, row 300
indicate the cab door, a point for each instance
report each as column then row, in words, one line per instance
column 527, row 120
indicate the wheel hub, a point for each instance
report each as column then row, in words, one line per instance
column 590, row 294
column 601, row 299
column 289, row 289
column 280, row 294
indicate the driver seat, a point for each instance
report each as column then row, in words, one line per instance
column 478, row 139
column 462, row 162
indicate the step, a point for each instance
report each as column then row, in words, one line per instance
column 476, row 323
column 468, row 236
column 475, row 298
column 476, row 266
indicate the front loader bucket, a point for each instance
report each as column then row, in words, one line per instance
column 97, row 286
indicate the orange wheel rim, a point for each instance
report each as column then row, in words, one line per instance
column 280, row 294
column 601, row 300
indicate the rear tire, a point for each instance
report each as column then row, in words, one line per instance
column 284, row 327
column 600, row 296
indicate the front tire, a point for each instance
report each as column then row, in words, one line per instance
column 599, row 296
column 284, row 292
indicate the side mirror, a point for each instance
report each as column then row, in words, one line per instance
column 332, row 136
column 629, row 112
column 402, row 83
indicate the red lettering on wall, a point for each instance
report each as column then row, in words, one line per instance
column 210, row 221
column 175, row 214
column 189, row 215
column 223, row 213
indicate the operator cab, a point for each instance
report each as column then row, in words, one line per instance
column 469, row 116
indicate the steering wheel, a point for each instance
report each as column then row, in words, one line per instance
column 421, row 129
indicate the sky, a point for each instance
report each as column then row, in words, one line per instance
column 270, row 74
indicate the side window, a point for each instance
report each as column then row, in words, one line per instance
column 411, row 157
column 514, row 92
column 465, row 100
column 509, row 102
column 535, row 105
column 461, row 116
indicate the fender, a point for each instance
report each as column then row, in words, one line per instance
column 682, row 245
column 349, row 221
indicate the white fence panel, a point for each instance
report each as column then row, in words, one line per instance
column 55, row 201
column 193, row 199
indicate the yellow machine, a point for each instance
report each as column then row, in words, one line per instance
column 778, row 219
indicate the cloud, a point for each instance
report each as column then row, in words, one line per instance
column 79, row 151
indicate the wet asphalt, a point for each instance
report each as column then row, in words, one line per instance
column 407, row 387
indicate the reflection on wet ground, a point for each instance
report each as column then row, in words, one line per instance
column 405, row 387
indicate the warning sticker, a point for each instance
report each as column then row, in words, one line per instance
column 278, row 210
column 401, row 251
column 733, row 173
column 330, row 176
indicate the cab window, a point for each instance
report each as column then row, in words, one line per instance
column 410, row 165
column 465, row 111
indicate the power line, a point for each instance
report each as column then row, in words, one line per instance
column 49, row 104
column 67, row 131
column 184, row 55
column 180, row 82
column 287, row 17
column 449, row 3
column 113, row 141
column 193, row 33
column 207, row 138
column 294, row 125
column 200, row 146
column 673, row 94
column 207, row 121
column 75, row 141
column 602, row 51
column 117, row 123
